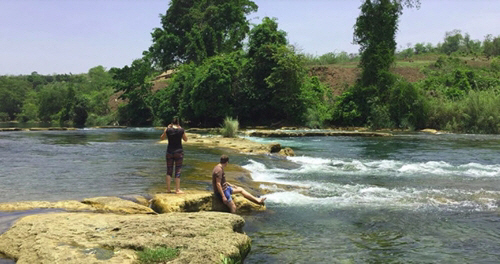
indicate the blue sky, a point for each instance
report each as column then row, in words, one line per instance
column 72, row 36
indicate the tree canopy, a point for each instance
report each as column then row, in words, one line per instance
column 194, row 30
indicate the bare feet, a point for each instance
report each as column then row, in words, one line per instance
column 169, row 191
column 179, row 192
column 262, row 200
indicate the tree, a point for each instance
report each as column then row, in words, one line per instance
column 491, row 46
column 453, row 40
column 265, row 40
column 375, row 32
column 12, row 93
column 135, row 82
column 193, row 30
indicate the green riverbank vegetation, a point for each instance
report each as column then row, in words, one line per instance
column 221, row 67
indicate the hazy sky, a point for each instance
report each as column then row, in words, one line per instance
column 72, row 36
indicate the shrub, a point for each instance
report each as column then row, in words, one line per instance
column 157, row 255
column 230, row 127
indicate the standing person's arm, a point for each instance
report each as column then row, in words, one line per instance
column 164, row 135
column 185, row 137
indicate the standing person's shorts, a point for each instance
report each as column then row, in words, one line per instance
column 175, row 158
column 227, row 192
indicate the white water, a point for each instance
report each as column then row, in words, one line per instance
column 330, row 183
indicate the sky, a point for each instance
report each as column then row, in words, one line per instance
column 72, row 36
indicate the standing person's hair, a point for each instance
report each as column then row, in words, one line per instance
column 175, row 121
column 224, row 159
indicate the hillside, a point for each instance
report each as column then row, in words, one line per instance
column 340, row 76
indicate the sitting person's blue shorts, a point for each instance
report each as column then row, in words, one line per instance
column 227, row 192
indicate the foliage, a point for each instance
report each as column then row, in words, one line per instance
column 479, row 112
column 195, row 30
column 229, row 260
column 157, row 255
column 491, row 46
column 259, row 88
column 135, row 83
column 407, row 106
column 12, row 93
column 347, row 110
column 230, row 127
column 330, row 58
column 211, row 97
column 318, row 101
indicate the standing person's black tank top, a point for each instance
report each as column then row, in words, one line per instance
column 174, row 136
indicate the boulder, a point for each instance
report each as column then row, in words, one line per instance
column 274, row 147
column 194, row 201
column 190, row 201
column 202, row 237
column 287, row 152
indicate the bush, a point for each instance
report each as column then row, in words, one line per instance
column 407, row 106
column 157, row 255
column 230, row 127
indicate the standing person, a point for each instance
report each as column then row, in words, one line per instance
column 223, row 189
column 175, row 154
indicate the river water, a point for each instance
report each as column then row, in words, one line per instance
column 410, row 198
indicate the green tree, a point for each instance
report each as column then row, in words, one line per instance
column 375, row 32
column 265, row 41
column 453, row 40
column 12, row 93
column 491, row 46
column 193, row 30
column 51, row 100
column 135, row 83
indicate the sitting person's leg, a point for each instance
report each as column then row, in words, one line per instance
column 249, row 196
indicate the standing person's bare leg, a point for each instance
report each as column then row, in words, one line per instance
column 249, row 196
column 169, row 178
column 178, row 186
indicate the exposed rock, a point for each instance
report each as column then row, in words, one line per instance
column 109, row 238
column 193, row 201
column 275, row 147
column 429, row 130
column 287, row 152
column 239, row 144
column 117, row 205
column 312, row 133
column 190, row 201
column 69, row 205
column 99, row 204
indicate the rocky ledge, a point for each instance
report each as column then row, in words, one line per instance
column 113, row 230
column 201, row 237
column 239, row 144
column 312, row 133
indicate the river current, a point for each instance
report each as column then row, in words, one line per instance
column 410, row 198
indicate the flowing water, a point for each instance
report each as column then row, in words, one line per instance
column 410, row 198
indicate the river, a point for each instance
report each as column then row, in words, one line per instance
column 410, row 198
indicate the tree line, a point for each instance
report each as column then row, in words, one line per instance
column 266, row 81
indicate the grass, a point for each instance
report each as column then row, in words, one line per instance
column 157, row 255
column 230, row 127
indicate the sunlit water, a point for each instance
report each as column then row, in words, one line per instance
column 411, row 198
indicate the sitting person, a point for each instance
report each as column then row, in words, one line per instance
column 223, row 189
